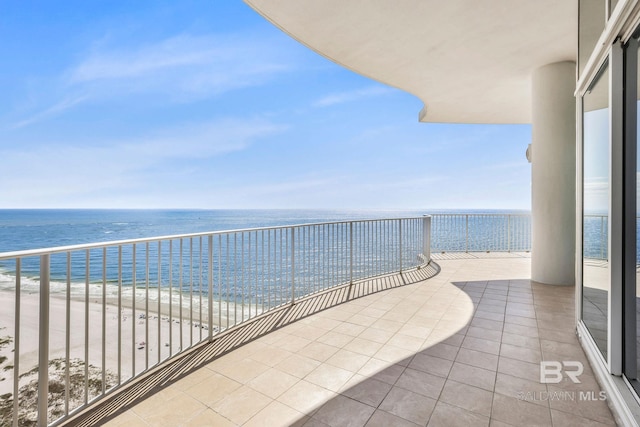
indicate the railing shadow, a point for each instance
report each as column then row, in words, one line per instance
column 169, row 372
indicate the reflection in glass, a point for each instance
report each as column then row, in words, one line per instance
column 596, row 280
column 637, row 284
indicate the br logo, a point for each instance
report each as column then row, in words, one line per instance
column 551, row 372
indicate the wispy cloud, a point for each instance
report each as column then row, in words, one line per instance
column 54, row 110
column 180, row 69
column 353, row 95
column 200, row 66
column 71, row 171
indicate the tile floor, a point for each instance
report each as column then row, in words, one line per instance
column 460, row 349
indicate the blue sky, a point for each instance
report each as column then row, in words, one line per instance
column 197, row 104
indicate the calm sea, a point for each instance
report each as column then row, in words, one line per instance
column 43, row 228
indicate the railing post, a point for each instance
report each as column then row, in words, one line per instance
column 400, row 242
column 210, row 283
column 602, row 239
column 508, row 233
column 466, row 233
column 351, row 252
column 426, row 238
column 293, row 265
column 43, row 337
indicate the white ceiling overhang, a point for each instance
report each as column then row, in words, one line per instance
column 469, row 61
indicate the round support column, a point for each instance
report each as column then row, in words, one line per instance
column 553, row 174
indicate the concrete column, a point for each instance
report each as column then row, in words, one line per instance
column 553, row 174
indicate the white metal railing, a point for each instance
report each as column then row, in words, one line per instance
column 481, row 232
column 108, row 312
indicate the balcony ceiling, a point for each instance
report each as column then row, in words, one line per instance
column 469, row 61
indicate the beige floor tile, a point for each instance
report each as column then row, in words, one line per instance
column 431, row 364
column 306, row 397
column 335, row 339
column 298, row 365
column 442, row 350
column 126, row 419
column 276, row 414
column 350, row 329
column 472, row 375
column 528, row 390
column 565, row 419
column 388, row 325
column 330, row 377
column 242, row 404
column 363, row 346
column 582, row 400
column 271, row 356
column 519, row 369
column 368, row 391
column 180, row 409
column 478, row 358
column 445, row 415
column 293, row 343
column 421, row 382
column 406, row 404
column 273, row 382
column 520, row 353
column 393, row 354
column 213, row 389
column 376, row 335
column 521, row 341
column 468, row 397
column 382, row 371
column 519, row 412
column 385, row 419
column 208, row 418
column 343, row 411
column 239, row 370
column 484, row 333
column 318, row 351
column 481, row 344
column 348, row 360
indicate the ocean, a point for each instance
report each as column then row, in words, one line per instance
column 37, row 229
column 44, row 228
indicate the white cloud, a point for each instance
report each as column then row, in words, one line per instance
column 64, row 175
column 350, row 96
column 196, row 65
column 180, row 69
column 54, row 110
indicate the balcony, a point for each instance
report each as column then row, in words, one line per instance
column 457, row 341
column 461, row 348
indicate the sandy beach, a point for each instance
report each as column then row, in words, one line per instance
column 134, row 338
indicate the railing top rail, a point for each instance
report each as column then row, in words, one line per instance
column 482, row 214
column 116, row 243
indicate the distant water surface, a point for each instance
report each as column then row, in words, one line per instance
column 43, row 228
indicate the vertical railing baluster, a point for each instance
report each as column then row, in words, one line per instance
column 119, row 314
column 86, row 325
column 159, row 279
column 43, row 342
column 508, row 233
column 210, row 284
column 293, row 265
column 146, row 307
column 104, row 320
column 16, row 348
column 67, row 341
column 133, row 312
column 170, row 297
column 351, row 252
column 200, row 286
